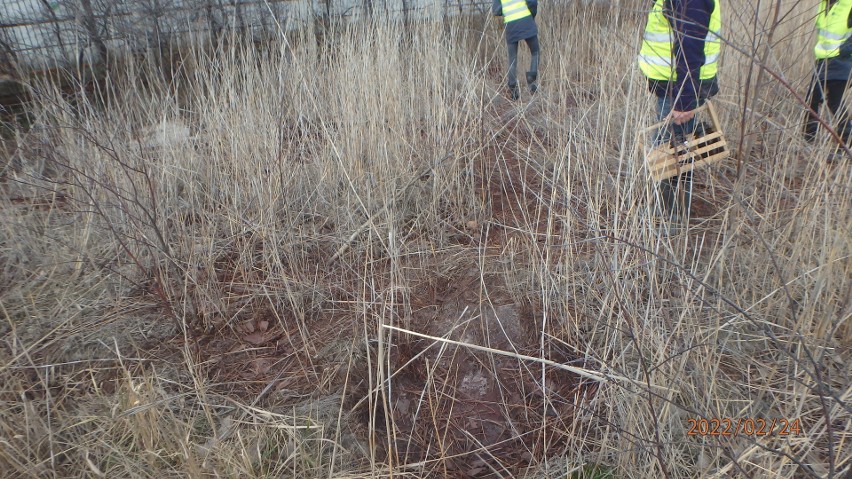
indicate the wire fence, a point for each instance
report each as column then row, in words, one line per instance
column 40, row 34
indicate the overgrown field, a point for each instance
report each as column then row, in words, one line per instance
column 344, row 253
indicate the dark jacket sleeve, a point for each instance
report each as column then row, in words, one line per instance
column 690, row 20
column 533, row 6
column 846, row 47
column 497, row 8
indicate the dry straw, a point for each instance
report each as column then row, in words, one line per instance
column 265, row 228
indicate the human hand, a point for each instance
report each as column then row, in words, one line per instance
column 681, row 117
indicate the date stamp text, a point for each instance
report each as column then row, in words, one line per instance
column 748, row 426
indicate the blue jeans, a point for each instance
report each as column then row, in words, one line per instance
column 672, row 188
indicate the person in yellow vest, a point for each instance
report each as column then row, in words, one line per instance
column 679, row 56
column 519, row 18
column 833, row 52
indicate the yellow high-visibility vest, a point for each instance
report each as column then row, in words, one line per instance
column 832, row 28
column 514, row 10
column 656, row 57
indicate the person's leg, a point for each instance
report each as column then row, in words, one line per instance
column 663, row 136
column 681, row 185
column 834, row 91
column 663, row 108
column 811, row 120
column 532, row 74
column 513, row 70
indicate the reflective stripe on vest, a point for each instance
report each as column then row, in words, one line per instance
column 514, row 10
column 655, row 56
column 832, row 28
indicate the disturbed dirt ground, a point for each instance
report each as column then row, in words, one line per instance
column 476, row 411
column 481, row 413
column 461, row 411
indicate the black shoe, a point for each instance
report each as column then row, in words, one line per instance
column 514, row 92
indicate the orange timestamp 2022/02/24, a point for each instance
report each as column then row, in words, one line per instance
column 747, row 426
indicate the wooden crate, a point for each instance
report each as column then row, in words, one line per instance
column 672, row 159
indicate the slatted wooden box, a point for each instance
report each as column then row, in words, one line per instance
column 672, row 159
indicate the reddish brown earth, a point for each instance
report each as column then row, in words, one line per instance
column 467, row 412
column 460, row 411
column 463, row 412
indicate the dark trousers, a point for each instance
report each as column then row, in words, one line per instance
column 532, row 42
column 831, row 93
column 676, row 192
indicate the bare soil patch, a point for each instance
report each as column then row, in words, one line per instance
column 468, row 413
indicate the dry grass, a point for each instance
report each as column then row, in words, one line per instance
column 195, row 271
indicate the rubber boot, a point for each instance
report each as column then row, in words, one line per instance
column 531, row 81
